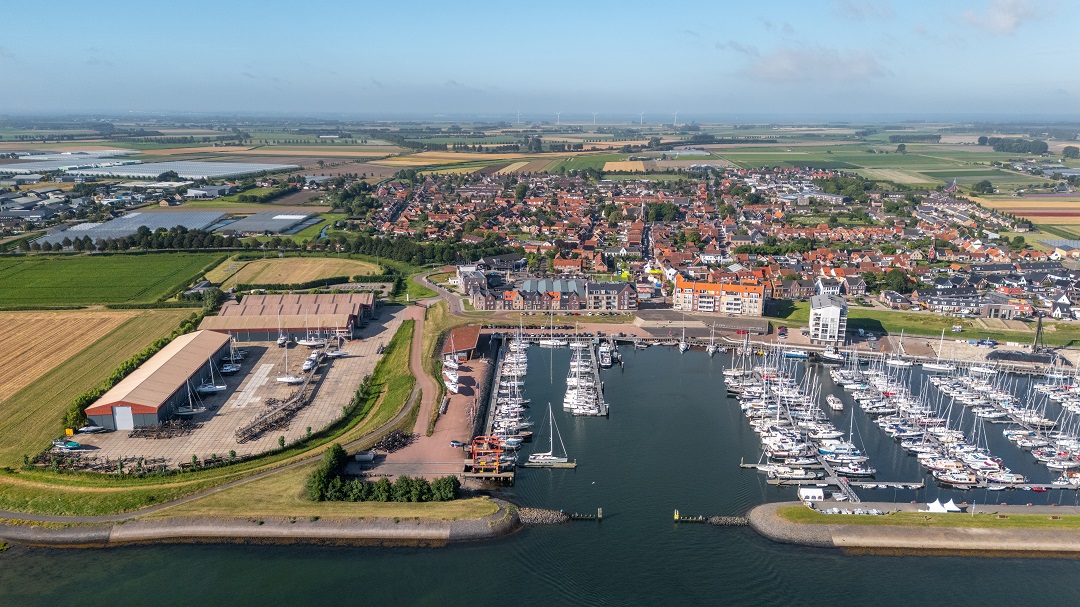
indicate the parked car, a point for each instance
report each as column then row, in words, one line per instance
column 457, row 444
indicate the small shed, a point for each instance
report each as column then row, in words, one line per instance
column 809, row 495
column 461, row 343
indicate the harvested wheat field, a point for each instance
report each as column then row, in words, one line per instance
column 289, row 270
column 29, row 341
column 625, row 166
column 512, row 168
column 65, row 363
column 539, row 166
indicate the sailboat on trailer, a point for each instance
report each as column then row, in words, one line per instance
column 193, row 407
column 288, row 378
column 211, row 386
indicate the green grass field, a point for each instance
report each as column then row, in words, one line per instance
column 588, row 161
column 97, row 279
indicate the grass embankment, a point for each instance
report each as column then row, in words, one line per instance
column 90, row 494
column 97, row 279
column 32, row 416
column 802, row 514
column 437, row 320
column 894, row 322
column 283, row 495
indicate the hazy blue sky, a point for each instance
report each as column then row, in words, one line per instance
column 963, row 57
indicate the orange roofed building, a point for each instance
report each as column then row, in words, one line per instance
column 738, row 299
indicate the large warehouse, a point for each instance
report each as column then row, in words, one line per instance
column 261, row 317
column 151, row 394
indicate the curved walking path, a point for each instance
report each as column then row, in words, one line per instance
column 416, row 365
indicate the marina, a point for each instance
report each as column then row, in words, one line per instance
column 663, row 398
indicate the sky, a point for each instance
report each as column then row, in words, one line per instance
column 739, row 60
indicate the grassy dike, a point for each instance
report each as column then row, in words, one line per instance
column 802, row 515
column 88, row 494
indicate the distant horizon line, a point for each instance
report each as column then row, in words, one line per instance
column 567, row 118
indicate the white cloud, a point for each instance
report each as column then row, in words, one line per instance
column 1003, row 16
column 863, row 10
column 815, row 64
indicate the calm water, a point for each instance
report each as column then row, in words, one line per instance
column 673, row 441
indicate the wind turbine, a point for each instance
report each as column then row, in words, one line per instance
column 558, row 117
column 519, row 117
column 594, row 117
column 641, row 119
column 676, row 119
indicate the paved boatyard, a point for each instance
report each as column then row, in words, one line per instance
column 335, row 385
column 432, row 456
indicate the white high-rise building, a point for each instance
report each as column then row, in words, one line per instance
column 828, row 320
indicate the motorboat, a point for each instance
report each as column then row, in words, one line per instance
column 832, row 356
column 551, row 342
column 797, row 354
column 834, row 403
column 63, row 443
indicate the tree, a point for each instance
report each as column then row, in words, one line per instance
column 1017, row 243
column 902, row 148
column 1070, row 151
column 982, row 140
column 897, row 280
column 983, row 187
column 168, row 176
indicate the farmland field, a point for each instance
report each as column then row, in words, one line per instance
column 291, row 270
column 97, row 279
column 512, row 168
column 32, row 416
column 625, row 166
column 30, row 345
column 1052, row 210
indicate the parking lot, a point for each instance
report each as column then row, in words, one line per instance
column 248, row 391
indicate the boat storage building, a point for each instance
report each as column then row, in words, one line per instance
column 151, row 393
column 259, row 317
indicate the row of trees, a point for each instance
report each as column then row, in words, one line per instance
column 326, row 483
column 1014, row 145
